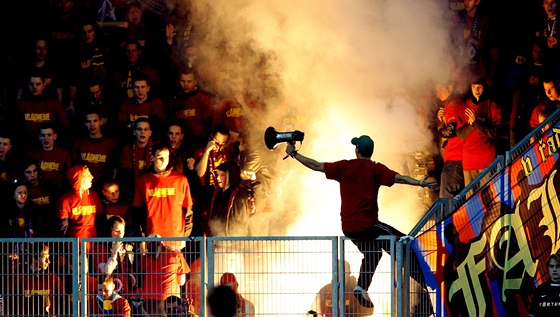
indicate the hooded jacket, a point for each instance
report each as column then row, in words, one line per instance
column 78, row 214
column 230, row 209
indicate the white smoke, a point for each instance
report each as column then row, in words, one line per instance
column 335, row 70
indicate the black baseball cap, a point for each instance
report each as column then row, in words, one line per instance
column 364, row 144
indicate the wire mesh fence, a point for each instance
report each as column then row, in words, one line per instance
column 272, row 276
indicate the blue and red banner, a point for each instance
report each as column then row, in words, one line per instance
column 488, row 256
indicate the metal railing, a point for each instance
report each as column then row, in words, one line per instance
column 280, row 276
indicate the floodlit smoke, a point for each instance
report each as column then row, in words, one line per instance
column 334, row 70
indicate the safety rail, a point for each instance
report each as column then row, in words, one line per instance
column 280, row 276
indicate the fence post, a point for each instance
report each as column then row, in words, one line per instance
column 397, row 276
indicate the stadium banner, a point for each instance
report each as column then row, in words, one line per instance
column 488, row 257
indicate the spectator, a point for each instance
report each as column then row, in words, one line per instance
column 324, row 301
column 163, row 272
column 17, row 220
column 238, row 110
column 163, row 200
column 180, row 157
column 55, row 161
column 548, row 105
column 45, row 289
column 114, row 204
column 478, row 129
column 525, row 99
column 132, row 68
column 142, row 105
column 108, row 302
column 193, row 107
column 546, row 301
column 176, row 307
column 214, row 154
column 222, row 302
column 115, row 259
column 79, row 210
column 232, row 204
column 36, row 109
column 178, row 152
column 91, row 55
column 7, row 162
column 135, row 158
column 255, row 168
column 42, row 194
column 547, row 32
column 449, row 116
column 244, row 307
column 96, row 151
column 64, row 27
column 476, row 40
column 41, row 63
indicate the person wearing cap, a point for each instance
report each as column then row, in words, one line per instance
column 79, row 211
column 244, row 307
column 360, row 180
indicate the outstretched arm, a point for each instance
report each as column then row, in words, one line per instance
column 403, row 179
column 306, row 161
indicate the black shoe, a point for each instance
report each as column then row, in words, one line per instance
column 362, row 297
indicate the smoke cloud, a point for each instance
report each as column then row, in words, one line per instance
column 335, row 70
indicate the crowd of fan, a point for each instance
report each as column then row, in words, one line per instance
column 111, row 85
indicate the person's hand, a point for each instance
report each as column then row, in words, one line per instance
column 143, row 248
column 70, row 109
column 169, row 30
column 190, row 163
column 170, row 33
column 552, row 42
column 426, row 182
column 250, row 175
column 290, row 148
column 441, row 114
column 471, row 115
column 210, row 146
column 117, row 245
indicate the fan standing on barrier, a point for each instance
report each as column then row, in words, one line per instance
column 360, row 179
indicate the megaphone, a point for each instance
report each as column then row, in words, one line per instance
column 272, row 137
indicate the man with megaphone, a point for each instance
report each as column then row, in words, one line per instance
column 360, row 179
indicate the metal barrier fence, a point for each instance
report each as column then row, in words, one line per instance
column 38, row 278
column 276, row 276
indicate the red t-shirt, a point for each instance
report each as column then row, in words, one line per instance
column 80, row 212
column 97, row 154
column 54, row 163
column 34, row 113
column 40, row 290
column 453, row 150
column 137, row 156
column 131, row 110
column 164, row 197
column 195, row 109
column 359, row 186
column 162, row 271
